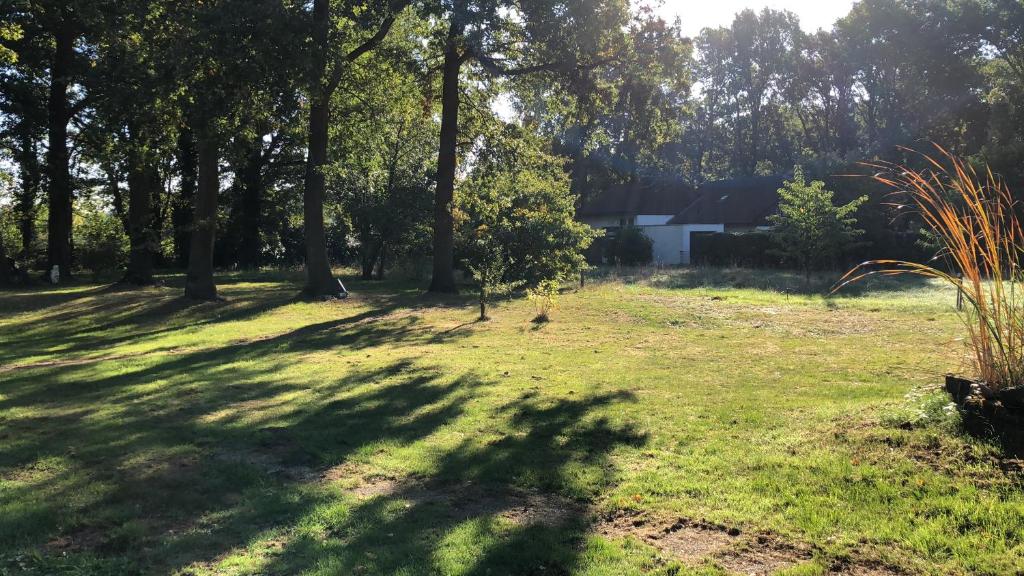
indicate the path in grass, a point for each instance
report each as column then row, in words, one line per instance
column 654, row 427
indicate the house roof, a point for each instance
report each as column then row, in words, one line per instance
column 648, row 196
column 744, row 201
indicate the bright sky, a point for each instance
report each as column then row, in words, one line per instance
column 699, row 14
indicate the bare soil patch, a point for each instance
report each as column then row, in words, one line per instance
column 694, row 542
column 467, row 500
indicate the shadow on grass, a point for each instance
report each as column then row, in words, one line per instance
column 163, row 462
column 464, row 520
column 91, row 321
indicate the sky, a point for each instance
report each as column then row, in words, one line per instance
column 699, row 14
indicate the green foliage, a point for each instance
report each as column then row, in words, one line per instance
column 545, row 298
column 630, row 247
column 810, row 230
column 100, row 241
column 385, row 156
column 520, row 193
column 489, row 265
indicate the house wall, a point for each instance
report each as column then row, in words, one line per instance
column 672, row 242
column 669, row 242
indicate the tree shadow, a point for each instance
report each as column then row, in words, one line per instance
column 165, row 478
column 91, row 322
column 518, row 505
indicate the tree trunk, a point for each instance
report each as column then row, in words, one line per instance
column 57, row 159
column 444, row 224
column 251, row 249
column 181, row 212
column 199, row 281
column 5, row 268
column 367, row 257
column 29, row 169
column 755, row 138
column 381, row 260
column 320, row 281
column 143, row 187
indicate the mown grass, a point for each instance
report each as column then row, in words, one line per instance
column 140, row 433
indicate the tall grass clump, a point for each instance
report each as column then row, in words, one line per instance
column 974, row 219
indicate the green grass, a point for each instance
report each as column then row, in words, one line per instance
column 391, row 434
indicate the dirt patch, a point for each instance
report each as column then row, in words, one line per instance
column 465, row 500
column 695, row 541
column 685, row 540
column 83, row 538
column 761, row 556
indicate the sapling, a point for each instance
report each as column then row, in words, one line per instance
column 544, row 298
column 488, row 265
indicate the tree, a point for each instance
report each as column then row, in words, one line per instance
column 23, row 89
column 383, row 173
column 809, row 230
column 508, row 39
column 488, row 263
column 132, row 128
column 326, row 73
column 210, row 48
column 58, row 27
column 519, row 193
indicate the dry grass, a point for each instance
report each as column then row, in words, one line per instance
column 974, row 218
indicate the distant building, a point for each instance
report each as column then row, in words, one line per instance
column 671, row 213
column 644, row 203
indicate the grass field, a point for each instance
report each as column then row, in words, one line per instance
column 700, row 422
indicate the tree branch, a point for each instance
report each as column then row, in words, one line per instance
column 369, row 44
column 495, row 67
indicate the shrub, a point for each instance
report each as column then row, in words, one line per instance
column 630, row 247
column 544, row 298
column 975, row 221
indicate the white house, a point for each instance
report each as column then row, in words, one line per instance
column 672, row 213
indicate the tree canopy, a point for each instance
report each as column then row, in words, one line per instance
column 231, row 134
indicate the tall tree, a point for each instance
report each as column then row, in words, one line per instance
column 507, row 38
column 326, row 73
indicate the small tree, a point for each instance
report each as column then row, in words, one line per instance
column 488, row 264
column 544, row 297
column 810, row 231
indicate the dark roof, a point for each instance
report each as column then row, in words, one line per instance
column 643, row 197
column 738, row 202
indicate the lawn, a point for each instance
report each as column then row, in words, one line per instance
column 688, row 422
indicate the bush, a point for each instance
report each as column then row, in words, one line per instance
column 630, row 247
column 544, row 298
